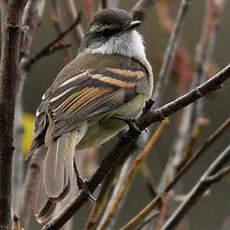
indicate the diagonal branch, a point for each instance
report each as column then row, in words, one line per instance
column 153, row 204
column 210, row 85
column 48, row 48
column 121, row 148
column 212, row 175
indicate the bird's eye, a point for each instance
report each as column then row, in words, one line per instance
column 108, row 31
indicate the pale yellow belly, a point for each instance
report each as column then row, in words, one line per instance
column 105, row 127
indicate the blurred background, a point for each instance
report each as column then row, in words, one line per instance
column 213, row 211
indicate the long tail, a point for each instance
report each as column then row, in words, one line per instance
column 56, row 174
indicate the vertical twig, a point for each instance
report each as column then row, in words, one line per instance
column 89, row 8
column 11, row 17
column 103, row 4
column 170, row 53
column 58, row 25
column 140, row 9
column 31, row 19
column 70, row 15
column 190, row 120
column 190, row 124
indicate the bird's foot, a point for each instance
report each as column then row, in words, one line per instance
column 148, row 105
column 83, row 184
column 130, row 123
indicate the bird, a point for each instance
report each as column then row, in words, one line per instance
column 90, row 101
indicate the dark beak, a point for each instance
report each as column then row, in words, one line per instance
column 132, row 25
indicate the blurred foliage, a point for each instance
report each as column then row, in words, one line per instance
column 28, row 122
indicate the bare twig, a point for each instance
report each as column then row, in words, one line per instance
column 152, row 205
column 206, row 145
column 170, row 53
column 71, row 15
column 120, row 150
column 99, row 206
column 58, row 21
column 149, row 219
column 139, row 10
column 30, row 21
column 190, row 127
column 145, row 172
column 129, row 176
column 108, row 4
column 48, row 48
column 11, row 17
column 212, row 175
column 29, row 189
column 106, row 222
column 89, row 8
column 140, row 217
column 103, row 4
column 212, row 84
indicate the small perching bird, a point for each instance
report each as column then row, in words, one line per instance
column 89, row 102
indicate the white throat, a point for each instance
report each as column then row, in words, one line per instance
column 128, row 44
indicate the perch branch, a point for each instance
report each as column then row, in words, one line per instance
column 144, row 121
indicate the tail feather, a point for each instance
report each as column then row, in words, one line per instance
column 56, row 174
column 58, row 165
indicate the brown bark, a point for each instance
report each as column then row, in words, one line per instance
column 11, row 13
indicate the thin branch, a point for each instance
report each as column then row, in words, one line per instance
column 103, row 4
column 140, row 217
column 11, row 18
column 218, row 176
column 210, row 85
column 29, row 189
column 149, row 219
column 89, row 8
column 48, row 48
column 130, row 175
column 211, row 176
column 31, row 19
column 139, row 10
column 58, row 22
column 106, row 222
column 190, row 127
column 102, row 201
column 120, row 150
column 170, row 53
column 206, row 145
column 146, row 174
column 71, row 15
column 153, row 204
